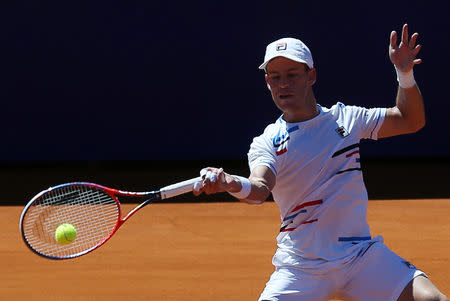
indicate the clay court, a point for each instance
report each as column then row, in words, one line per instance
column 203, row 251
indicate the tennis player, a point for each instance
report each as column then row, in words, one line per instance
column 309, row 160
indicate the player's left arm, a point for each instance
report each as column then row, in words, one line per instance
column 408, row 114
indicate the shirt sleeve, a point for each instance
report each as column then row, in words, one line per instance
column 367, row 121
column 262, row 153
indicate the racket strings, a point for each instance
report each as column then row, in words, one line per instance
column 92, row 212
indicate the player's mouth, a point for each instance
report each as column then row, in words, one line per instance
column 285, row 96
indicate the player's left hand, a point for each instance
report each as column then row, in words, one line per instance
column 403, row 56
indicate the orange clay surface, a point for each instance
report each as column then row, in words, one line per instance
column 203, row 251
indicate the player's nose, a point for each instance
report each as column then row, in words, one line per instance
column 284, row 83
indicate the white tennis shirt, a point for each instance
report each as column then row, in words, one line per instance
column 319, row 187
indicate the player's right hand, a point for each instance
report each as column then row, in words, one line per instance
column 214, row 180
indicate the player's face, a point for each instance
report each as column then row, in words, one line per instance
column 290, row 84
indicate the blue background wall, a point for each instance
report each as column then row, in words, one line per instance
column 179, row 80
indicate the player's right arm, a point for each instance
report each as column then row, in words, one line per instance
column 262, row 180
column 257, row 187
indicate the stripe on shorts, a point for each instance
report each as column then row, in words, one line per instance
column 354, row 238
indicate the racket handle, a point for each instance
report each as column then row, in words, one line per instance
column 178, row 188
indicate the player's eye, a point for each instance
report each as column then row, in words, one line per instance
column 274, row 77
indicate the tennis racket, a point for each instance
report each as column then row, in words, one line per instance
column 93, row 210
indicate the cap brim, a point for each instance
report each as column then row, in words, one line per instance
column 291, row 57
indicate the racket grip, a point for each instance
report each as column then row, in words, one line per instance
column 178, row 188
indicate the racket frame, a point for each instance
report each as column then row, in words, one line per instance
column 163, row 193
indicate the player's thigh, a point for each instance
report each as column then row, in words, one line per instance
column 421, row 288
column 292, row 284
column 379, row 274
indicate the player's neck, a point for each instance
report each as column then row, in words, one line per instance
column 309, row 111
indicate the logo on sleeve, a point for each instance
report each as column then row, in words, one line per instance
column 342, row 131
column 280, row 142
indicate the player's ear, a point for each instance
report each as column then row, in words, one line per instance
column 312, row 76
column 267, row 82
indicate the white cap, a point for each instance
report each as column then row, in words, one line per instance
column 290, row 48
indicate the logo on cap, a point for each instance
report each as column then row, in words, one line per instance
column 281, row 46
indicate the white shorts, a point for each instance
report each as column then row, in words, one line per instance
column 376, row 273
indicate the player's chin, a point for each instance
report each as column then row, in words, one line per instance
column 285, row 105
column 285, row 100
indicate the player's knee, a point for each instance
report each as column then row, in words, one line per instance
column 433, row 296
column 421, row 288
column 442, row 297
column 422, row 294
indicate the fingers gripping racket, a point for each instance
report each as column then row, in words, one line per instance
column 93, row 210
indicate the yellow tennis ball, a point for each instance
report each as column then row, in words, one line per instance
column 65, row 233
